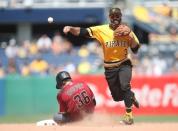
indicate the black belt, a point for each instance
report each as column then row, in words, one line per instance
column 127, row 62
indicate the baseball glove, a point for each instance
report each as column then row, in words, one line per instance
column 122, row 30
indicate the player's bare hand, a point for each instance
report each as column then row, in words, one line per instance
column 66, row 29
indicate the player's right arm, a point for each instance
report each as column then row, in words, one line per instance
column 76, row 31
column 91, row 32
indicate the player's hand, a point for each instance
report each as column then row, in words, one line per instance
column 66, row 29
column 122, row 30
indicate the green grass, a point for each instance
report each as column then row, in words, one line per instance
column 153, row 119
column 24, row 119
column 156, row 119
column 33, row 119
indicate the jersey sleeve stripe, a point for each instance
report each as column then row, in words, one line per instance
column 90, row 32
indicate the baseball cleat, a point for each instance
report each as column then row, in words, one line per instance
column 127, row 119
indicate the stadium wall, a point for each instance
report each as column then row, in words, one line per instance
column 30, row 96
column 2, row 96
column 35, row 96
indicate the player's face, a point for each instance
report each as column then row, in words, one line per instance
column 115, row 19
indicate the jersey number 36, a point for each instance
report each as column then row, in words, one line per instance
column 82, row 99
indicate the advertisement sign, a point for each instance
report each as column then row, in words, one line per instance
column 156, row 95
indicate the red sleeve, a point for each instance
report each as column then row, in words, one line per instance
column 62, row 107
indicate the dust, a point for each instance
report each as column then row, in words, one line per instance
column 97, row 119
column 95, row 122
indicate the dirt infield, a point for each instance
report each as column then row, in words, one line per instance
column 96, row 123
column 135, row 127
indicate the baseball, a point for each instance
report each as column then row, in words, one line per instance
column 50, row 19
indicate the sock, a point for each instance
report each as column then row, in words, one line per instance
column 129, row 112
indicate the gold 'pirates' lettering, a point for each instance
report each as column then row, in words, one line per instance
column 111, row 44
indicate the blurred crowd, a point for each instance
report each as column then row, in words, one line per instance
column 47, row 56
column 161, row 21
column 156, row 60
column 161, row 55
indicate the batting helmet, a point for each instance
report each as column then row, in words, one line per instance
column 61, row 77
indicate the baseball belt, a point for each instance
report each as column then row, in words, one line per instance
column 111, row 65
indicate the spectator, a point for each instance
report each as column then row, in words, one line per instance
column 2, row 73
column 173, row 34
column 92, row 47
column 11, row 67
column 83, row 51
column 11, row 50
column 57, row 43
column 84, row 67
column 163, row 9
column 44, row 43
column 158, row 65
column 67, row 46
column 23, row 50
column 33, row 49
column 39, row 66
column 25, row 69
column 174, row 69
column 70, row 67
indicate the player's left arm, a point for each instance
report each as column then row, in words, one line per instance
column 62, row 115
column 135, row 45
column 62, row 105
column 61, row 118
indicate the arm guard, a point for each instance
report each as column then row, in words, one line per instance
column 135, row 49
column 84, row 32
